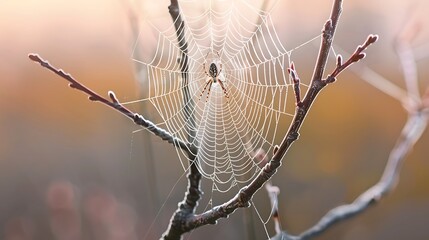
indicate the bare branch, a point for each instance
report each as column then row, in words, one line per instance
column 418, row 116
column 411, row 132
column 243, row 197
column 114, row 103
column 180, row 220
column 328, row 36
column 355, row 57
column 376, row 80
column 179, row 25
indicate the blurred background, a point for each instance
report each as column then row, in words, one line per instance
column 73, row 169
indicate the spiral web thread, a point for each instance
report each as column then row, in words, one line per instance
column 232, row 129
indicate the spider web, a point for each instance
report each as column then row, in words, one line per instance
column 233, row 128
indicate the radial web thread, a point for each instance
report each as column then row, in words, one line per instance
column 230, row 128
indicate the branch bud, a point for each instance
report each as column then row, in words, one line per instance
column 372, row 38
column 275, row 149
column 339, row 60
column 34, row 57
column 112, row 96
column 360, row 56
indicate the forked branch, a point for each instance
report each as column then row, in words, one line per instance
column 186, row 208
column 418, row 116
column 113, row 103
column 411, row 132
column 356, row 56
column 243, row 197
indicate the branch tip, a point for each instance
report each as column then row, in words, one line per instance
column 34, row 57
column 372, row 38
column 291, row 72
column 355, row 57
column 114, row 103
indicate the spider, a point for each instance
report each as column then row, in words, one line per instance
column 213, row 75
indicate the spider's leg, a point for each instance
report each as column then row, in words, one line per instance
column 205, row 69
column 224, row 89
column 204, row 89
column 208, row 91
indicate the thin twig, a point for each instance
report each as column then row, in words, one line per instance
column 375, row 79
column 188, row 102
column 246, row 193
column 186, row 208
column 411, row 132
column 113, row 103
column 356, row 56
column 418, row 116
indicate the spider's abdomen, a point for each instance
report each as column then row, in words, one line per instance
column 213, row 70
